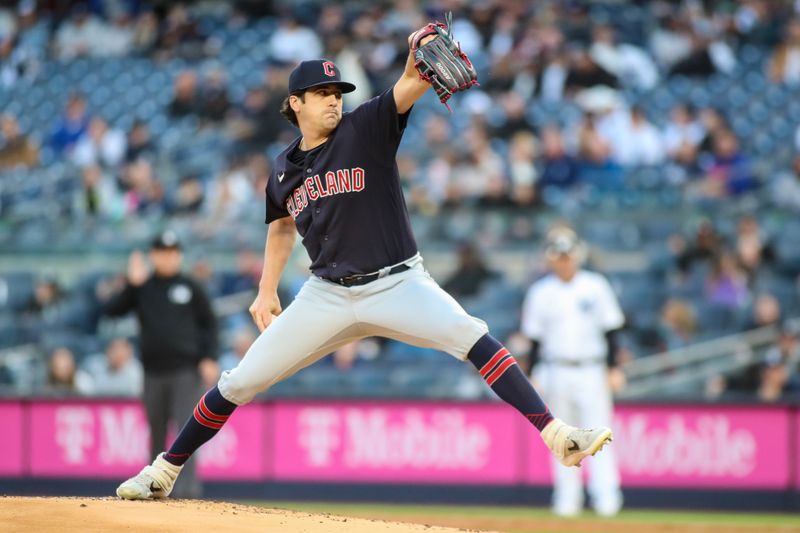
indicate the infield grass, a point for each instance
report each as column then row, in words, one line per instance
column 538, row 520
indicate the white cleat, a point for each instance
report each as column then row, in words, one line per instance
column 572, row 445
column 154, row 481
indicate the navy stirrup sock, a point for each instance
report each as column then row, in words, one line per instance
column 501, row 372
column 211, row 412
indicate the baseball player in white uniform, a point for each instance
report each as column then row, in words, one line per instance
column 571, row 316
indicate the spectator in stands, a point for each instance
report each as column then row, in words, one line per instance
column 597, row 165
column 780, row 372
column 671, row 40
column 726, row 285
column 185, row 100
column 753, row 249
column 251, row 125
column 117, row 372
column 677, row 325
column 71, row 126
column 181, row 35
column 478, row 174
column 98, row 195
column 644, row 145
column 730, row 172
column 471, row 274
column 682, row 136
column 627, row 62
column 292, row 42
column 559, row 169
column 241, row 340
column 714, row 124
column 79, row 36
column 63, row 375
column 348, row 356
column 229, row 193
column 47, row 294
column 758, row 22
column 16, row 150
column 785, row 188
column 139, row 143
column 33, row 32
column 766, row 311
column 17, row 61
column 522, row 151
column 100, row 145
column 144, row 192
column 705, row 245
column 214, row 103
column 118, row 39
column 145, row 33
column 249, row 266
column 514, row 119
column 709, row 54
column 584, row 73
column 784, row 64
column 189, row 196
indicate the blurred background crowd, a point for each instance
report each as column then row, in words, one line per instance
column 666, row 133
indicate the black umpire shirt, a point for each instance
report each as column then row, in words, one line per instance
column 345, row 195
column 177, row 325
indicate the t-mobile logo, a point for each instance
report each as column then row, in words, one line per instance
column 74, row 433
column 319, row 435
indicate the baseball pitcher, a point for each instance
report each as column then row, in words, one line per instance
column 337, row 185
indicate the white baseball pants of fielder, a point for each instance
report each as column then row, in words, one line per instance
column 581, row 394
column 408, row 306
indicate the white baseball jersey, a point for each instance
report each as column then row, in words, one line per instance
column 570, row 319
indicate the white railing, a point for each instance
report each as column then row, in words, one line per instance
column 687, row 369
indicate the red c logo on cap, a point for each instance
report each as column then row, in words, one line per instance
column 329, row 68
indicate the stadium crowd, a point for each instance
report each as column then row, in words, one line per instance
column 582, row 105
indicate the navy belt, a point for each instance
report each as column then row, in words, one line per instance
column 363, row 279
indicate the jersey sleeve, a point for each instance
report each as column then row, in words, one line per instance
column 610, row 316
column 274, row 208
column 532, row 325
column 379, row 123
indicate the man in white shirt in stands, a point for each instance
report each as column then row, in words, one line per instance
column 572, row 316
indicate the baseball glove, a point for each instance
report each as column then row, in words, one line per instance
column 441, row 62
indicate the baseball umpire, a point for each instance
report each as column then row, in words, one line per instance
column 178, row 339
column 572, row 317
column 338, row 186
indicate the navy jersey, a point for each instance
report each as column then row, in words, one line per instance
column 345, row 196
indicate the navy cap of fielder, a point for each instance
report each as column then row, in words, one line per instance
column 167, row 240
column 317, row 72
column 562, row 241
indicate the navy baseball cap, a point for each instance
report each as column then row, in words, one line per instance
column 167, row 240
column 317, row 72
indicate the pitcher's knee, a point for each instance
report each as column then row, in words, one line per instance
column 239, row 388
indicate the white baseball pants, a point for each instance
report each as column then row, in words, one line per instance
column 408, row 306
column 581, row 397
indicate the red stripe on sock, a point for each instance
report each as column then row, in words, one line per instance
column 208, row 414
column 207, row 423
column 485, row 369
column 494, row 376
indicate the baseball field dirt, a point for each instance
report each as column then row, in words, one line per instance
column 43, row 515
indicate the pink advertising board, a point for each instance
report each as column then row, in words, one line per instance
column 699, row 447
column 397, row 442
column 110, row 440
column 11, row 445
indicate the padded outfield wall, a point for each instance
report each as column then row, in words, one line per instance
column 380, row 448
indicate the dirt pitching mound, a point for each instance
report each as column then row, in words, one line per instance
column 43, row 515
